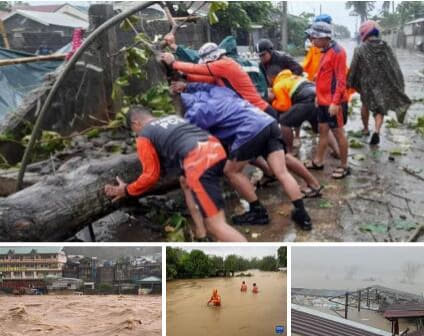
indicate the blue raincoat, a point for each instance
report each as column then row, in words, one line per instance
column 223, row 113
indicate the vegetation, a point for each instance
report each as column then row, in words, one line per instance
column 361, row 8
column 196, row 264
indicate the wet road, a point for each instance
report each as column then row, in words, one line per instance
column 240, row 313
column 381, row 201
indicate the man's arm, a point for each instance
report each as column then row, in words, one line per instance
column 288, row 62
column 340, row 73
column 151, row 168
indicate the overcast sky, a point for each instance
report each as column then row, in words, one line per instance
column 243, row 251
column 375, row 259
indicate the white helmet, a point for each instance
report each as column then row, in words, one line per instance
column 210, row 52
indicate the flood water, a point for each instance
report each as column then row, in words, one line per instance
column 240, row 313
column 69, row 315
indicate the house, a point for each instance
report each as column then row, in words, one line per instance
column 414, row 34
column 29, row 30
column 77, row 12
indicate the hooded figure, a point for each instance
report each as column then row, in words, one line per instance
column 375, row 73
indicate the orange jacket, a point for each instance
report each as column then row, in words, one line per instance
column 151, row 168
column 223, row 72
column 311, row 62
column 284, row 85
column 215, row 298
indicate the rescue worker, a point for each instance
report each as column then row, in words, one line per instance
column 243, row 287
column 216, row 68
column 229, row 44
column 295, row 100
column 215, row 298
column 375, row 73
column 255, row 289
column 172, row 145
column 268, row 57
column 331, row 97
column 311, row 61
column 247, row 133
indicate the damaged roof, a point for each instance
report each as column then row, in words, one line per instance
column 47, row 19
column 404, row 310
column 309, row 322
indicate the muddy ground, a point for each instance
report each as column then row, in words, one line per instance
column 71, row 315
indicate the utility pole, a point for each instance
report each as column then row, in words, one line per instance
column 284, row 25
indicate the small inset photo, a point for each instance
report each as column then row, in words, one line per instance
column 357, row 290
column 226, row 290
column 74, row 291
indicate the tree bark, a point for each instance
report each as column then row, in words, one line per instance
column 57, row 207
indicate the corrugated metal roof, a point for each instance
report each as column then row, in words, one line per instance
column 39, row 8
column 416, row 21
column 151, row 279
column 404, row 310
column 310, row 322
column 28, row 249
column 57, row 19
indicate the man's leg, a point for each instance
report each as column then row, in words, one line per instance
column 287, row 134
column 365, row 116
column 375, row 139
column 300, row 170
column 234, row 172
column 343, row 145
column 257, row 213
column 296, row 140
column 198, row 228
column 322, row 145
column 332, row 143
column 276, row 161
column 221, row 230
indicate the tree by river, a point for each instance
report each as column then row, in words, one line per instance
column 182, row 264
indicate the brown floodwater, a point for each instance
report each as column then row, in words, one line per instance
column 240, row 313
column 54, row 315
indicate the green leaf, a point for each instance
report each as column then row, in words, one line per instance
column 397, row 151
column 392, row 123
column 401, row 224
column 325, row 204
column 373, row 227
column 353, row 143
column 355, row 134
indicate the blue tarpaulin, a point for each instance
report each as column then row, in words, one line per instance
column 17, row 80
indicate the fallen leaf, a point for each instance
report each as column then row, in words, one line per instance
column 373, row 227
column 324, row 204
column 255, row 235
column 401, row 224
column 359, row 157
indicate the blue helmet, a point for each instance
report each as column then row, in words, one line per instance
column 324, row 18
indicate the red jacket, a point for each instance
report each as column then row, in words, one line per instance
column 223, row 72
column 331, row 76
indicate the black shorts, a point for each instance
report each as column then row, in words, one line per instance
column 300, row 113
column 337, row 121
column 210, row 181
column 272, row 113
column 267, row 141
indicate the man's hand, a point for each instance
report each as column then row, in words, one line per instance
column 117, row 192
column 168, row 58
column 271, row 95
column 333, row 109
column 178, row 87
column 170, row 41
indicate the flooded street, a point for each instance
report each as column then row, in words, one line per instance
column 68, row 315
column 241, row 313
column 382, row 200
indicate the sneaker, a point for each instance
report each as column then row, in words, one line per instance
column 302, row 218
column 252, row 217
column 375, row 139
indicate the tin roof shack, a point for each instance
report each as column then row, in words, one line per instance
column 30, row 30
column 309, row 322
column 414, row 34
column 411, row 311
column 150, row 285
column 66, row 8
column 64, row 284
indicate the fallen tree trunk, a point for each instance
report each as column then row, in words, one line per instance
column 57, row 207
